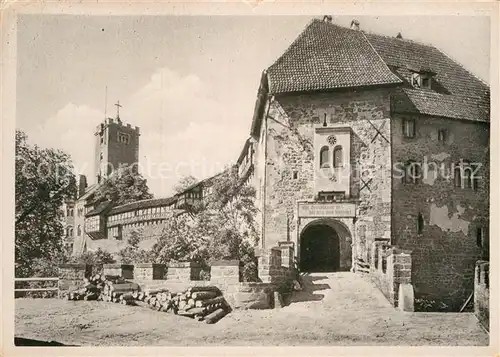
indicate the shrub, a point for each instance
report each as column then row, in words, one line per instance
column 96, row 259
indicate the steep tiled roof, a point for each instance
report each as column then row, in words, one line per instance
column 442, row 105
column 327, row 56
column 459, row 94
column 413, row 55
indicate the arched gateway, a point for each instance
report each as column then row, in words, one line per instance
column 325, row 246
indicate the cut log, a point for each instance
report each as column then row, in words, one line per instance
column 215, row 316
column 202, row 295
column 191, row 303
column 90, row 297
column 201, row 303
column 155, row 291
column 204, row 288
column 186, row 313
column 125, row 287
column 127, row 297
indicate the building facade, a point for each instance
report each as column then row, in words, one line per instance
column 356, row 139
column 360, row 138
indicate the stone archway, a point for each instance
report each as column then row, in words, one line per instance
column 325, row 246
column 319, row 249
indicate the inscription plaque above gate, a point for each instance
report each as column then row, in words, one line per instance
column 327, row 210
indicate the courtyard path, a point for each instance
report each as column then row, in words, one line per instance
column 335, row 309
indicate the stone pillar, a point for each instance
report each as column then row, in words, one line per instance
column 269, row 262
column 224, row 273
column 149, row 271
column 126, row 271
column 482, row 293
column 287, row 254
column 400, row 264
column 183, row 271
column 406, row 298
column 71, row 277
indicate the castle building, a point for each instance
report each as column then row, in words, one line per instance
column 116, row 144
column 359, row 139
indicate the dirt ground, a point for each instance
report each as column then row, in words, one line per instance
column 335, row 309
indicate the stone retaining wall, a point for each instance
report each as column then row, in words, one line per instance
column 71, row 277
column 275, row 267
column 124, row 270
column 149, row 271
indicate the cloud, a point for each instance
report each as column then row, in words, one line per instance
column 184, row 131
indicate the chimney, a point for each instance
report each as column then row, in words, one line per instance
column 355, row 25
column 82, row 185
column 327, row 18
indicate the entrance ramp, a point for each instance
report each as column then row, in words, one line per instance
column 339, row 291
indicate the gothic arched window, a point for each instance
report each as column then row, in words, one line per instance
column 412, row 172
column 324, row 156
column 338, row 157
column 420, row 223
column 457, row 175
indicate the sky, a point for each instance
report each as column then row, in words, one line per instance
column 188, row 82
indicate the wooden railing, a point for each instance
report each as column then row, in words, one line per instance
column 49, row 288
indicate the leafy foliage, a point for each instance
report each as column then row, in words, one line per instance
column 223, row 227
column 44, row 180
column 125, row 185
column 184, row 183
column 132, row 253
column 96, row 259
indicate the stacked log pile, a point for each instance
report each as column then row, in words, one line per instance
column 203, row 303
column 106, row 288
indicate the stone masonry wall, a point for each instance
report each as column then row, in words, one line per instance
column 71, row 277
column 149, row 271
column 290, row 171
column 444, row 254
column 124, row 270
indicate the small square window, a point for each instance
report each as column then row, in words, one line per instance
column 442, row 135
column 479, row 237
column 426, row 82
column 409, row 128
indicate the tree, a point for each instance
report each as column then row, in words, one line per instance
column 223, row 227
column 44, row 180
column 125, row 185
column 96, row 259
column 133, row 253
column 184, row 183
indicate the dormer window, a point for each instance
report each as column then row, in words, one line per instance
column 422, row 79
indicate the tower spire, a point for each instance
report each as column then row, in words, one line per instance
column 118, row 106
column 106, row 103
